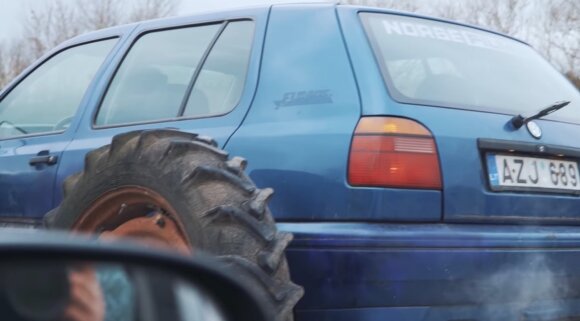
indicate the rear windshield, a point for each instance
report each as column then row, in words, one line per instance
column 441, row 64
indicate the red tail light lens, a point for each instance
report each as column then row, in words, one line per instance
column 393, row 152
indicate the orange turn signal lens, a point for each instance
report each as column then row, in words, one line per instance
column 393, row 152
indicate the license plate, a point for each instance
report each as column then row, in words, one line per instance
column 508, row 172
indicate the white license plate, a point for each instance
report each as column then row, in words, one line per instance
column 532, row 173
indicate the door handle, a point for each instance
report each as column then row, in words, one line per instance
column 43, row 159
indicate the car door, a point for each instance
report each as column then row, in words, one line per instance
column 35, row 116
column 180, row 74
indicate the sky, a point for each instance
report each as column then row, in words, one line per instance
column 13, row 11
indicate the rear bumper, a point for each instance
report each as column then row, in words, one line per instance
column 543, row 311
column 437, row 271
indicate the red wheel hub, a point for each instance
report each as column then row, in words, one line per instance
column 138, row 213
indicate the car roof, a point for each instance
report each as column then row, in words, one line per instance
column 217, row 14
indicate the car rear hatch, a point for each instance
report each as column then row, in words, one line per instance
column 465, row 86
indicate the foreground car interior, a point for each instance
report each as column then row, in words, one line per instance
column 51, row 276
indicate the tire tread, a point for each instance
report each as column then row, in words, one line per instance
column 196, row 162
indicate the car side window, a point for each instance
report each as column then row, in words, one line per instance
column 46, row 100
column 221, row 81
column 154, row 82
column 153, row 79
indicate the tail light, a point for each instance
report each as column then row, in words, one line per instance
column 393, row 152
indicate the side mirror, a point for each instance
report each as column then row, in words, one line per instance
column 53, row 276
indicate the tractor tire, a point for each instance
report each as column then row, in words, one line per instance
column 175, row 189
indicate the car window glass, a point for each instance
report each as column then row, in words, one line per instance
column 46, row 100
column 408, row 74
column 153, row 78
column 435, row 63
column 221, row 80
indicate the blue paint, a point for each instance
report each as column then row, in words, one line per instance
column 20, row 181
column 361, row 253
column 364, row 268
column 550, row 311
column 456, row 131
column 302, row 151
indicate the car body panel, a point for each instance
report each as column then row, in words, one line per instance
column 466, row 192
column 562, row 310
column 307, row 160
column 362, row 253
column 220, row 128
column 359, row 267
column 20, row 181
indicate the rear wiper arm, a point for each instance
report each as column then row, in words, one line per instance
column 519, row 120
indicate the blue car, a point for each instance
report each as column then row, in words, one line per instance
column 427, row 170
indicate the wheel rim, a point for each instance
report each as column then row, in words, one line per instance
column 138, row 213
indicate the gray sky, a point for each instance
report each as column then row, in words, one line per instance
column 13, row 11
